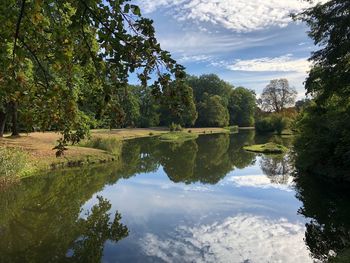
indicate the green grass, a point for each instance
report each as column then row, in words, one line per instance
column 268, row 148
column 178, row 136
column 109, row 144
column 14, row 164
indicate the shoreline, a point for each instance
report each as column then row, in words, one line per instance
column 38, row 146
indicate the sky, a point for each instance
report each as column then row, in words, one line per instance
column 245, row 42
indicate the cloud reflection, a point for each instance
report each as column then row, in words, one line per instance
column 259, row 181
column 243, row 238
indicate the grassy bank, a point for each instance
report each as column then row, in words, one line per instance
column 104, row 146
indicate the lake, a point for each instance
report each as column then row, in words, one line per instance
column 205, row 200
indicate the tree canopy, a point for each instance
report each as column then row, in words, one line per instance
column 323, row 146
column 52, row 51
column 278, row 95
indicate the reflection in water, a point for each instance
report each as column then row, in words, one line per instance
column 243, row 238
column 328, row 232
column 277, row 168
column 244, row 218
column 207, row 159
column 37, row 232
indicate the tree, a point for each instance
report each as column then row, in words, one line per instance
column 210, row 84
column 50, row 50
column 149, row 109
column 329, row 28
column 322, row 146
column 181, row 110
column 242, row 104
column 212, row 112
column 278, row 95
column 301, row 104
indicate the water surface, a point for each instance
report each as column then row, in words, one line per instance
column 205, row 200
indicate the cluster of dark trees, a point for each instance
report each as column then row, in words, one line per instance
column 323, row 143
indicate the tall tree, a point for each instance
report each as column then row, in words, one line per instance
column 210, row 84
column 242, row 105
column 278, row 95
column 212, row 112
column 323, row 144
column 72, row 44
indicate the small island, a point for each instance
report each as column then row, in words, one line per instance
column 268, row 148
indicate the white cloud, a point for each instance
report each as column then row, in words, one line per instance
column 243, row 238
column 200, row 43
column 278, row 64
column 259, row 181
column 236, row 15
column 194, row 58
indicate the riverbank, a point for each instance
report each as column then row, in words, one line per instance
column 40, row 154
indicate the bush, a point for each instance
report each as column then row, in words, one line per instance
column 274, row 123
column 111, row 145
column 264, row 125
column 279, row 123
column 175, row 127
column 13, row 164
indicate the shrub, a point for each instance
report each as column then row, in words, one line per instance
column 279, row 123
column 13, row 164
column 273, row 123
column 264, row 125
column 111, row 145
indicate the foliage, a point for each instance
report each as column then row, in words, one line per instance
column 241, row 106
column 109, row 144
column 278, row 95
column 328, row 23
column 323, row 145
column 268, row 148
column 175, row 127
column 14, row 163
column 271, row 123
column 212, row 112
column 61, row 49
column 186, row 113
column 209, row 84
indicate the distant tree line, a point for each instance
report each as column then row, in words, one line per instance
column 205, row 101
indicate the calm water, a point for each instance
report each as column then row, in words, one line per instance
column 200, row 201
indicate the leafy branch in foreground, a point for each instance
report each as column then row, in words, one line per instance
column 52, row 51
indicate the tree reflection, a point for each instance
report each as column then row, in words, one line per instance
column 277, row 168
column 178, row 160
column 40, row 218
column 207, row 159
column 94, row 231
column 239, row 157
column 328, row 232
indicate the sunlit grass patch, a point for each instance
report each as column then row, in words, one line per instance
column 268, row 148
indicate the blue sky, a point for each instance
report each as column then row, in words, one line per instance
column 245, row 42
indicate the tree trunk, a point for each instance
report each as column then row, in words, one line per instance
column 14, row 112
column 2, row 123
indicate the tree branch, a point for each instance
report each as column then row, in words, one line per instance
column 18, row 26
